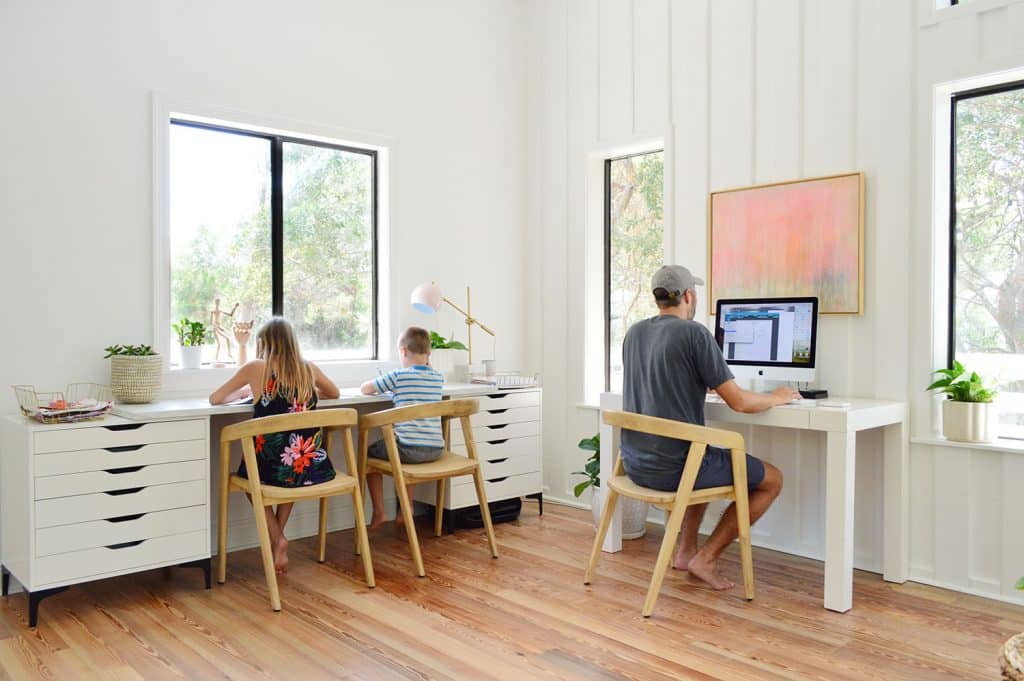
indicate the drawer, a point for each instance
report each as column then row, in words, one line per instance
column 509, row 400
column 103, row 560
column 94, row 534
column 519, row 447
column 99, row 437
column 498, row 417
column 113, row 504
column 496, row 490
column 503, row 468
column 119, row 478
column 497, row 433
column 84, row 460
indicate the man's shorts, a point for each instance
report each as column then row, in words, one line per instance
column 715, row 471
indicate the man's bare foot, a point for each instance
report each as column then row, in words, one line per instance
column 281, row 556
column 376, row 520
column 707, row 572
column 683, row 558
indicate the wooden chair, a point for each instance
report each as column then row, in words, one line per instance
column 676, row 502
column 450, row 464
column 261, row 495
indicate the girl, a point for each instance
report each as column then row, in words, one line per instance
column 281, row 382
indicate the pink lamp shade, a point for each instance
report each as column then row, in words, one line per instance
column 427, row 298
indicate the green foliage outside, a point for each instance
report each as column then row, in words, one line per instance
column 990, row 226
column 439, row 342
column 960, row 387
column 328, row 255
column 592, row 469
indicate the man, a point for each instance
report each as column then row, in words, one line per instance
column 670, row 362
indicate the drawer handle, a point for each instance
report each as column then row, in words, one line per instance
column 124, row 518
column 497, row 427
column 125, row 545
column 496, row 411
column 497, row 442
column 498, row 460
column 498, row 479
column 125, row 426
column 498, row 396
column 126, row 469
column 124, row 448
column 130, row 490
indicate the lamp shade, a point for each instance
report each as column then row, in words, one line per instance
column 427, row 298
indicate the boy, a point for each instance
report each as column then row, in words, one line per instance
column 419, row 441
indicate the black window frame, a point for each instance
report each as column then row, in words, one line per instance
column 954, row 99
column 277, row 143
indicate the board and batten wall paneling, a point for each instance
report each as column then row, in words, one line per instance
column 651, row 74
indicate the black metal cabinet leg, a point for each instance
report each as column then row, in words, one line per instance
column 34, row 598
column 6, row 580
column 204, row 565
column 539, row 496
column 449, row 521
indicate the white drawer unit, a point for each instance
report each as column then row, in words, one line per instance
column 96, row 499
column 507, row 434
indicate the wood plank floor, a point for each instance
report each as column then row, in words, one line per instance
column 524, row 616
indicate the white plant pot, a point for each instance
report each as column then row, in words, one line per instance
column 445, row 361
column 634, row 514
column 191, row 356
column 969, row 421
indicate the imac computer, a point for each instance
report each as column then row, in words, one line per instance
column 771, row 339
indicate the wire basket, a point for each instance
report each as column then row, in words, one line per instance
column 78, row 402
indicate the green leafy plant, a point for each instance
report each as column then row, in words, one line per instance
column 128, row 350
column 592, row 469
column 439, row 342
column 190, row 333
column 1020, row 584
column 960, row 387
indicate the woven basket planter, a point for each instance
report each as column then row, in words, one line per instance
column 136, row 379
column 1011, row 658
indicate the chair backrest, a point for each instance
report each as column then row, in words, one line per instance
column 678, row 430
column 446, row 409
column 328, row 419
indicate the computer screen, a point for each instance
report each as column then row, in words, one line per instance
column 774, row 333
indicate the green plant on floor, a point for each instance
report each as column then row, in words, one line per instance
column 960, row 387
column 439, row 342
column 1020, row 584
column 190, row 333
column 128, row 350
column 592, row 469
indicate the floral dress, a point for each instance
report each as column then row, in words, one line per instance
column 292, row 458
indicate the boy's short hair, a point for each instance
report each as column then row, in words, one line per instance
column 666, row 299
column 416, row 340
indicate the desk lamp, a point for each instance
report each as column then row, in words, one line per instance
column 427, row 298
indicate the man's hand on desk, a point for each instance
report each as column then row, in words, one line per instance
column 748, row 402
column 784, row 395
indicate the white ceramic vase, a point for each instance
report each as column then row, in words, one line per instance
column 191, row 356
column 634, row 514
column 969, row 421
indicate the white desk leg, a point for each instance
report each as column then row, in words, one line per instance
column 897, row 504
column 612, row 540
column 839, row 487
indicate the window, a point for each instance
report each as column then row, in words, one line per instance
column 986, row 301
column 634, row 248
column 268, row 224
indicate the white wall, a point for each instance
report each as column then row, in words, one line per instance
column 753, row 91
column 444, row 81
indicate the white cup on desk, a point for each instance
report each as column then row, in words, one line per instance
column 490, row 367
column 460, row 373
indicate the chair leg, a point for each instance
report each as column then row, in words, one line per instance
column 439, row 508
column 485, row 510
column 668, row 545
column 322, row 531
column 222, row 528
column 362, row 537
column 405, row 504
column 610, row 501
column 746, row 554
column 263, row 531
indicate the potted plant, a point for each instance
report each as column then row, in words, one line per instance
column 968, row 414
column 191, row 336
column 446, row 354
column 634, row 512
column 136, row 373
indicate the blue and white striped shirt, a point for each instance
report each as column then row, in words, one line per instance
column 416, row 384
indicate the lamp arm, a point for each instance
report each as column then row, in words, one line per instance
column 469, row 319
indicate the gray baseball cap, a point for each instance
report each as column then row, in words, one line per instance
column 675, row 279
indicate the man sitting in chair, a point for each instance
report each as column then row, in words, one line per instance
column 670, row 362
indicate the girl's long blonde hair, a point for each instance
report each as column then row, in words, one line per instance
column 277, row 346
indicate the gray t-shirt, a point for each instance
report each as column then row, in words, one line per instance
column 668, row 365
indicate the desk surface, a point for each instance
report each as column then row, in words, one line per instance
column 195, row 407
column 862, row 413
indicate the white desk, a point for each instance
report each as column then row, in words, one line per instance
column 841, row 427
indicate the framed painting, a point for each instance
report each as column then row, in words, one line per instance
column 798, row 238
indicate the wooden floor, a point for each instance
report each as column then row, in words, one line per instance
column 524, row 616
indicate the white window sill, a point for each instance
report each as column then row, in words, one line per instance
column 998, row 445
column 345, row 373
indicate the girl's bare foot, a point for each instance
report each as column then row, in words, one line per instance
column 399, row 519
column 707, row 572
column 683, row 558
column 281, row 556
column 376, row 520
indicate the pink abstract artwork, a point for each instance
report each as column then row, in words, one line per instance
column 794, row 239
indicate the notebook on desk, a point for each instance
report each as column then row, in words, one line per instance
column 507, row 381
